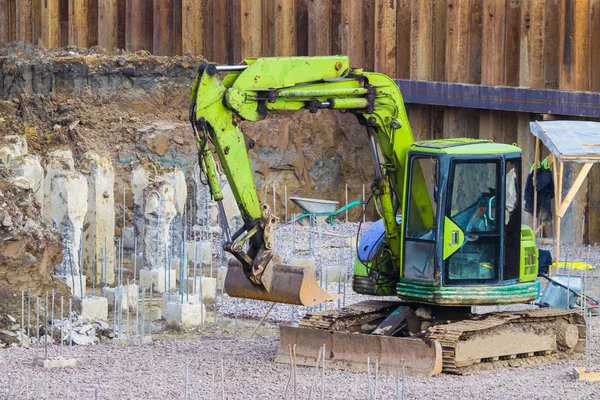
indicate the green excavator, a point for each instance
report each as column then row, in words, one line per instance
column 449, row 235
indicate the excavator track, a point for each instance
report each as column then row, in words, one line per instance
column 464, row 346
column 512, row 339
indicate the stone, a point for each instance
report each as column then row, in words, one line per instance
column 81, row 340
column 140, row 179
column 208, row 288
column 29, row 166
column 99, row 223
column 185, row 315
column 157, row 279
column 68, row 207
column 74, row 284
column 92, row 307
column 56, row 161
column 12, row 146
column 55, row 362
column 129, row 295
column 176, row 298
column 133, row 340
column 159, row 210
column 177, row 178
column 128, row 237
column 158, row 143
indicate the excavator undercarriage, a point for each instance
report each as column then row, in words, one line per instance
column 448, row 340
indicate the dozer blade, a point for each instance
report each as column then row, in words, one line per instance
column 289, row 284
column 349, row 351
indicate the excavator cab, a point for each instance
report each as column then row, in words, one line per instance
column 462, row 227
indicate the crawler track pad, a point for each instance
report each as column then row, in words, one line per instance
column 289, row 284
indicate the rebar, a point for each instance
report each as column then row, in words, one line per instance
column 142, row 315
column 323, row 373
column 28, row 312
column 375, row 382
column 37, row 324
column 369, row 378
column 70, row 328
column 315, row 372
column 150, row 311
column 62, row 323
column 23, row 318
column 196, row 380
column 46, row 329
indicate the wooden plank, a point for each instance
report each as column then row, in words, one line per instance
column 149, row 26
column 552, row 44
column 593, row 207
column 220, row 25
column 475, row 41
column 233, row 34
column 12, row 20
column 319, row 29
column 37, row 21
column 135, row 21
column 491, row 123
column 78, row 23
column 285, row 27
column 268, row 28
column 403, row 38
column 162, row 42
column 192, row 27
column 421, row 63
column 351, row 33
column 369, row 36
column 177, row 33
column 574, row 45
column 121, row 17
column 531, row 49
column 458, row 122
column 385, row 36
column 50, row 24
column 301, row 27
column 594, row 41
column 92, row 21
column 577, row 183
column 24, row 21
column 439, row 39
column 251, row 27
column 4, row 21
column 512, row 55
column 108, row 28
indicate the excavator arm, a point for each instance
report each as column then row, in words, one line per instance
column 222, row 96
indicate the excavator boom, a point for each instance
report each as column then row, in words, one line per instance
column 248, row 92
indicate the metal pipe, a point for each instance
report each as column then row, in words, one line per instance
column 224, row 221
column 227, row 68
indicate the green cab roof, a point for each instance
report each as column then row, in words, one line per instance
column 464, row 146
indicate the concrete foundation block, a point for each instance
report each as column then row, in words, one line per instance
column 129, row 295
column 159, row 279
column 92, row 307
column 176, row 298
column 186, row 315
column 209, row 288
column 332, row 273
column 12, row 146
column 221, row 274
column 203, row 251
column 304, row 262
column 74, row 284
column 128, row 236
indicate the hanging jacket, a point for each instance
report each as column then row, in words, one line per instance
column 545, row 191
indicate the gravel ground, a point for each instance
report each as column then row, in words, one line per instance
column 157, row 371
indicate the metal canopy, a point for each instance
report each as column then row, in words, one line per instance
column 570, row 141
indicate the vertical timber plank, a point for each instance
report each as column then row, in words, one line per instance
column 369, row 36
column 121, row 23
column 404, row 37
column 251, row 11
column 268, row 20
column 92, row 21
column 177, row 34
column 220, row 24
column 78, row 23
column 135, row 29
column 37, row 21
column 108, row 28
column 421, row 63
column 301, row 27
column 162, row 42
column 475, row 31
column 459, row 122
column 552, row 44
column 4, row 21
column 24, row 21
column 50, row 35
column 492, row 65
column 63, row 15
column 285, row 27
column 385, row 36
column 513, row 29
column 351, row 32
column 12, row 20
column 319, row 27
column 192, row 29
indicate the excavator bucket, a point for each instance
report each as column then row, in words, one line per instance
column 289, row 284
column 350, row 351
